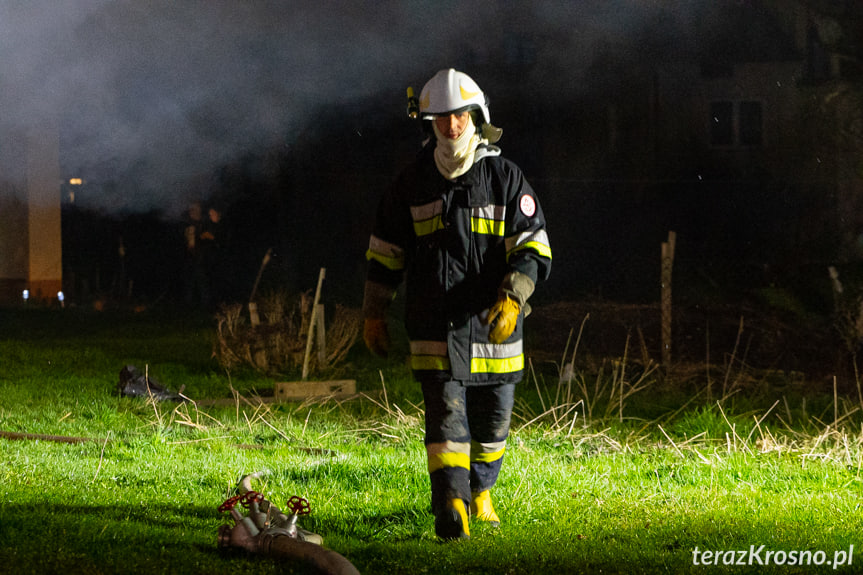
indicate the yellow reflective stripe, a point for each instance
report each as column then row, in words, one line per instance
column 426, row 227
column 532, row 238
column 491, row 365
column 487, row 227
column 442, row 460
column 427, row 218
column 486, row 457
column 427, row 362
column 541, row 249
column 429, row 355
column 393, row 263
column 388, row 254
column 497, row 357
column 488, row 220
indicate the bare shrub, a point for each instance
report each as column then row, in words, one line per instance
column 278, row 343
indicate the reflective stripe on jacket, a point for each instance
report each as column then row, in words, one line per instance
column 453, row 242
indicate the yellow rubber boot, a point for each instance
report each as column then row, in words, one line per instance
column 451, row 522
column 482, row 509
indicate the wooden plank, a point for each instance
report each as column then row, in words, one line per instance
column 309, row 340
column 292, row 390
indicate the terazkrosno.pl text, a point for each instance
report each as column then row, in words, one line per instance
column 758, row 555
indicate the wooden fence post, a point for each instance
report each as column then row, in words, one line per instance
column 312, row 322
column 667, row 264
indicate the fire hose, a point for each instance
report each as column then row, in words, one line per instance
column 268, row 531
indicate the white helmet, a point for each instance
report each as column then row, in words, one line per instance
column 452, row 91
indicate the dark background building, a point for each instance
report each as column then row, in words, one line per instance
column 735, row 123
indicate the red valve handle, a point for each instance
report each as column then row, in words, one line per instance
column 299, row 505
column 251, row 496
column 244, row 499
column 229, row 503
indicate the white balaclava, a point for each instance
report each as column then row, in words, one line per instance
column 455, row 157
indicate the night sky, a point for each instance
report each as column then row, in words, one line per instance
column 160, row 93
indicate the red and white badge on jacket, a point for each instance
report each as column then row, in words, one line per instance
column 527, row 205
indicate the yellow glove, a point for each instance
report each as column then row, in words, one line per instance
column 502, row 318
column 376, row 336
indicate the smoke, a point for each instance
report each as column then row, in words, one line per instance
column 153, row 96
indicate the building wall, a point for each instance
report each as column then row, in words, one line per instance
column 44, row 246
column 13, row 216
column 30, row 226
column 13, row 245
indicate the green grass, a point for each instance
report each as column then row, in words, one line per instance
column 611, row 495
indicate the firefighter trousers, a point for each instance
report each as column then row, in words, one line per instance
column 465, row 437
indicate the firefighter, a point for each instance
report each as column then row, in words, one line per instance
column 465, row 231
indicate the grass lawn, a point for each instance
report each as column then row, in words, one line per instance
column 637, row 487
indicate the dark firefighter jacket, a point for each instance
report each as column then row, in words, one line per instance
column 453, row 242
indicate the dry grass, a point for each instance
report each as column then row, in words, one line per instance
column 278, row 343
